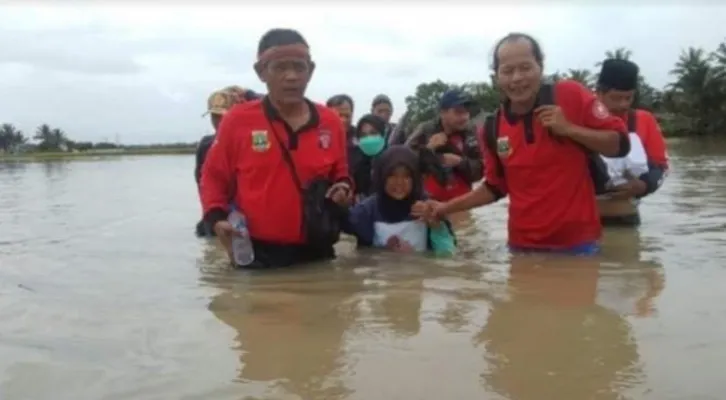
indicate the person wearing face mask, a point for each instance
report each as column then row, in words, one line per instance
column 541, row 156
column 616, row 87
column 449, row 148
column 369, row 144
column 384, row 219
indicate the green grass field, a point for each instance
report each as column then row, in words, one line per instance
column 92, row 154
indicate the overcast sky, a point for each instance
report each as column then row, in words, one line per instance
column 144, row 73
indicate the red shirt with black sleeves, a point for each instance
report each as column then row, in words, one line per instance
column 552, row 201
column 245, row 166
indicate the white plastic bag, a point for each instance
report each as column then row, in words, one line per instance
column 636, row 162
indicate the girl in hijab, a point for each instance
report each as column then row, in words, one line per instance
column 369, row 144
column 384, row 220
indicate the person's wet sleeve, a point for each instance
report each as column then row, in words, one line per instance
column 358, row 221
column 340, row 171
column 655, row 149
column 493, row 174
column 218, row 172
column 472, row 163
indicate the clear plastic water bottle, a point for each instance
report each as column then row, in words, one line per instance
column 242, row 250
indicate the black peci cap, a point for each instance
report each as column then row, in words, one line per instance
column 618, row 74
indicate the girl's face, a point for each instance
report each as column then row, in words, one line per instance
column 370, row 141
column 399, row 183
column 368, row 130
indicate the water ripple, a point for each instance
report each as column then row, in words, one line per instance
column 106, row 294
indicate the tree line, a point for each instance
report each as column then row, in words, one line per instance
column 49, row 139
column 693, row 104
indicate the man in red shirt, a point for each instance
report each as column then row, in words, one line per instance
column 269, row 153
column 616, row 88
column 544, row 152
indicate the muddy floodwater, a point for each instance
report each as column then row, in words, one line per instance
column 105, row 293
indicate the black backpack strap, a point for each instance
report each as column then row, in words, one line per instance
column 632, row 121
column 288, row 160
column 596, row 166
column 546, row 95
column 491, row 135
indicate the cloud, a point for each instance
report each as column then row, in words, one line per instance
column 144, row 71
column 87, row 50
column 468, row 49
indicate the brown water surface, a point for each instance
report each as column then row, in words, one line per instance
column 106, row 294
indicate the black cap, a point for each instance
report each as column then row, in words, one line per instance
column 455, row 98
column 618, row 74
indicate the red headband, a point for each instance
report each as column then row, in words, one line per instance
column 298, row 50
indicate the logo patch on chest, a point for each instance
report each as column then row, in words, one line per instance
column 503, row 147
column 324, row 139
column 599, row 110
column 260, row 141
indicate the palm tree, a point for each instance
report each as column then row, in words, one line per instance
column 719, row 60
column 59, row 138
column 19, row 138
column 647, row 96
column 621, row 53
column 557, row 76
column 42, row 132
column 583, row 76
column 47, row 138
column 696, row 91
column 7, row 135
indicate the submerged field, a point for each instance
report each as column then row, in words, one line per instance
column 46, row 156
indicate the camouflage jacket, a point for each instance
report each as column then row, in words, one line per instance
column 464, row 144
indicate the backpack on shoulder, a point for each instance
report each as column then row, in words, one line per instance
column 546, row 96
